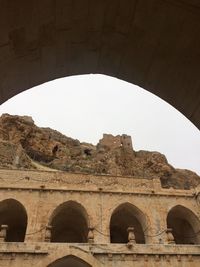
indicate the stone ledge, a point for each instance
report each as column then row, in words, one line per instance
column 115, row 249
column 61, row 181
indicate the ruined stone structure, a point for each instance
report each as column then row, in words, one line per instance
column 112, row 142
column 24, row 145
column 57, row 219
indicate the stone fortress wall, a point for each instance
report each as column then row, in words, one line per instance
column 60, row 219
column 113, row 142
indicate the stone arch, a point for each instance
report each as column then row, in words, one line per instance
column 70, row 261
column 69, row 251
column 130, row 40
column 185, row 225
column 69, row 223
column 14, row 215
column 124, row 216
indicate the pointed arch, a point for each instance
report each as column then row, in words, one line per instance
column 124, row 216
column 14, row 215
column 70, row 261
column 69, row 223
column 185, row 225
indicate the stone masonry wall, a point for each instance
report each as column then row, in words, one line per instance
column 42, row 192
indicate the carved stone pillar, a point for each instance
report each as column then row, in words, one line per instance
column 131, row 236
column 170, row 237
column 3, row 232
column 47, row 237
column 90, row 235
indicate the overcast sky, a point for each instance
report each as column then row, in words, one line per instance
column 84, row 107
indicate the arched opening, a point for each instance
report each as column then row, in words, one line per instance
column 69, row 223
column 184, row 224
column 125, row 216
column 13, row 214
column 96, row 93
column 69, row 261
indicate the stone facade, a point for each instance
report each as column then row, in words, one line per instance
column 61, row 219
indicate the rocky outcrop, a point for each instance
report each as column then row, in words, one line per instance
column 13, row 156
column 22, row 144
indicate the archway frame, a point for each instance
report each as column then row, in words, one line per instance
column 140, row 216
column 13, row 201
column 152, row 44
column 187, row 212
column 65, row 251
column 68, row 204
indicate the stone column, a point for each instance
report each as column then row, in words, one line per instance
column 91, row 235
column 47, row 237
column 156, row 185
column 158, row 224
column 169, row 236
column 3, row 232
column 38, row 219
column 131, row 236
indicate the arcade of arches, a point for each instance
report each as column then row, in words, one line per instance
column 153, row 44
column 69, row 221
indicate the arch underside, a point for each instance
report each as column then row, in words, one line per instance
column 14, row 216
column 69, row 223
column 185, row 225
column 124, row 216
column 153, row 44
column 69, row 261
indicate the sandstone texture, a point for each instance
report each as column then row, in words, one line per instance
column 54, row 217
column 26, row 146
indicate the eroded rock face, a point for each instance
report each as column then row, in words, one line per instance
column 13, row 156
column 22, row 143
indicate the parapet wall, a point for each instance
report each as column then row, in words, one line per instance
column 43, row 254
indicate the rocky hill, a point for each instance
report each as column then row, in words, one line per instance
column 24, row 145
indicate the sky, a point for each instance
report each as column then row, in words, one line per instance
column 86, row 106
